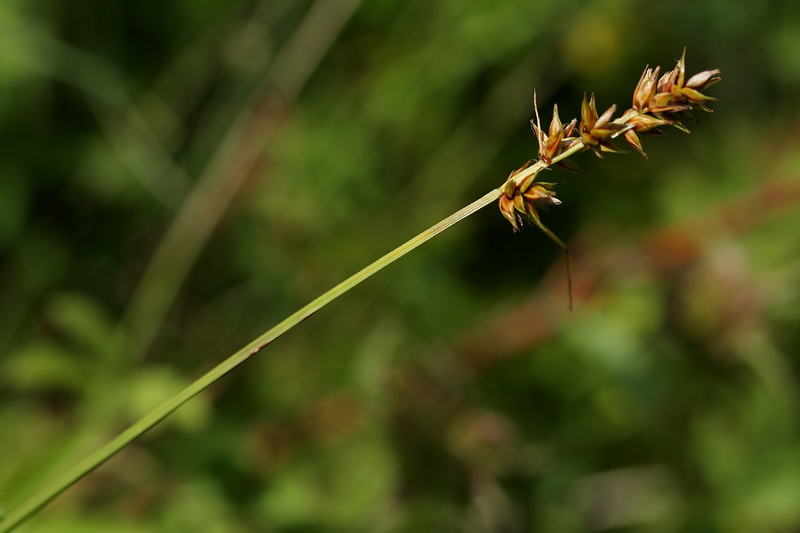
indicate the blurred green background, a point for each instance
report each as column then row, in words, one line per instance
column 176, row 177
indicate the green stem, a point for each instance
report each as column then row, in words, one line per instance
column 34, row 504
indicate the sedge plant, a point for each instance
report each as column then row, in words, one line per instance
column 658, row 101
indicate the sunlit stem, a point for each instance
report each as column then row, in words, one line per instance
column 34, row 504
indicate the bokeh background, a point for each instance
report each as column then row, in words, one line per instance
column 178, row 176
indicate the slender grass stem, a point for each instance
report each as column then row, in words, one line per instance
column 33, row 505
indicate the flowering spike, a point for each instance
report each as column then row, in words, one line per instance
column 657, row 101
